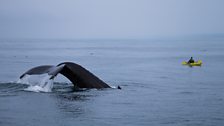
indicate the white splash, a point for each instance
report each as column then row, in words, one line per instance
column 114, row 87
column 37, row 83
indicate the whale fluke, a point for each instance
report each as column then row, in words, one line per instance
column 79, row 76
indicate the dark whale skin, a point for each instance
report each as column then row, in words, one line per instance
column 78, row 75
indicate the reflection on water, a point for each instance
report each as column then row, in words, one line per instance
column 69, row 100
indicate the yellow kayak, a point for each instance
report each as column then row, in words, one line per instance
column 197, row 63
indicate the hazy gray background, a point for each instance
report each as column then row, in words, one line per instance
column 109, row 18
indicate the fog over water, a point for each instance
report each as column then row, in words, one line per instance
column 110, row 18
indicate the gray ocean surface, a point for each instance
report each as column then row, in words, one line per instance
column 156, row 89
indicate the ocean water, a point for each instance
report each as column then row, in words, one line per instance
column 156, row 89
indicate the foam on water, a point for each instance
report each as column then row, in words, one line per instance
column 37, row 83
column 114, row 87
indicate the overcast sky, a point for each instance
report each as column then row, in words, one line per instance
column 109, row 18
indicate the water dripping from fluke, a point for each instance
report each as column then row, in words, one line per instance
column 37, row 83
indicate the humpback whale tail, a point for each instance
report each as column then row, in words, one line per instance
column 79, row 76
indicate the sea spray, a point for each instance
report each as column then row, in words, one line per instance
column 37, row 83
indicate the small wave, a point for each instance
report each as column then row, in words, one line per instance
column 10, row 89
column 186, row 92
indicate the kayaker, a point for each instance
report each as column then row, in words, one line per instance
column 191, row 60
